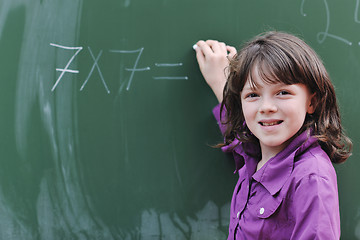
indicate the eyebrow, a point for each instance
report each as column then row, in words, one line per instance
column 249, row 89
column 253, row 86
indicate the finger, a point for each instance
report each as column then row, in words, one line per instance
column 205, row 48
column 214, row 45
column 200, row 56
column 219, row 47
column 232, row 51
column 223, row 47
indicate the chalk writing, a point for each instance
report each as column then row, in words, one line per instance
column 92, row 69
column 66, row 69
column 132, row 70
column 321, row 36
column 170, row 77
column 356, row 12
column 168, row 64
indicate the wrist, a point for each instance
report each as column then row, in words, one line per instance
column 218, row 90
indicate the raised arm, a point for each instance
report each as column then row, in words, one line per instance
column 213, row 58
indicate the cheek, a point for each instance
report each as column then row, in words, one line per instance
column 245, row 110
column 297, row 116
column 249, row 115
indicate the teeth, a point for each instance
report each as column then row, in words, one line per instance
column 270, row 124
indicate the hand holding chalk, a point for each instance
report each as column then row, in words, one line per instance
column 213, row 58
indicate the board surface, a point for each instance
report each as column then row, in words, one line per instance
column 106, row 124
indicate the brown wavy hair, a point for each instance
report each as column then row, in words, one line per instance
column 282, row 57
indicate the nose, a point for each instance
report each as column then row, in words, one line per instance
column 267, row 106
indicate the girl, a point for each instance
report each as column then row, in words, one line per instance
column 280, row 118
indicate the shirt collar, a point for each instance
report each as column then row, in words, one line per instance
column 252, row 150
column 277, row 170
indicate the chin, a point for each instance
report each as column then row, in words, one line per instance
column 275, row 144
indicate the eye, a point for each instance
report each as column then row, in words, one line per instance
column 283, row 92
column 251, row 95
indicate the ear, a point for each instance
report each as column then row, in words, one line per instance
column 312, row 103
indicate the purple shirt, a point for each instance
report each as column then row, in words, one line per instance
column 293, row 196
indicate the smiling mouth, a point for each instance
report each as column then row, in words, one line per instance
column 270, row 123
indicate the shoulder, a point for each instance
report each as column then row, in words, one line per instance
column 313, row 162
column 313, row 174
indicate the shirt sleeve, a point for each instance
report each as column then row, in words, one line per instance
column 219, row 116
column 316, row 209
column 239, row 160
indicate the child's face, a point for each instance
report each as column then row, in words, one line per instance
column 274, row 112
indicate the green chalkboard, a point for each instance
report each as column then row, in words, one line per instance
column 106, row 126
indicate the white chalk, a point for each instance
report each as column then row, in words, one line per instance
column 195, row 46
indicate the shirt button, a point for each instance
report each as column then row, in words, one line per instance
column 262, row 210
column 238, row 214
